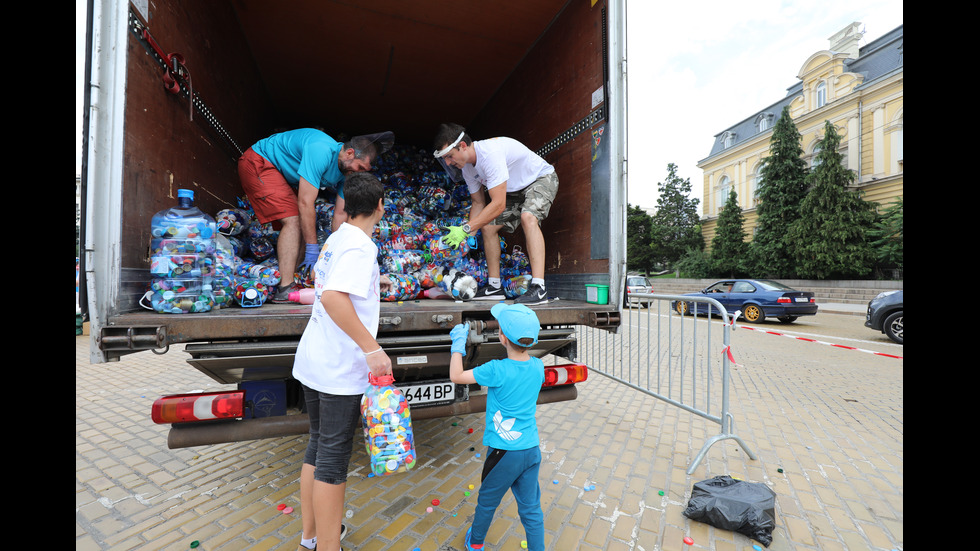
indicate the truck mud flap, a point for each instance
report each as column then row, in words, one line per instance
column 203, row 434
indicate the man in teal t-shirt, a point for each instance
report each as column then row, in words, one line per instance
column 511, row 435
column 282, row 176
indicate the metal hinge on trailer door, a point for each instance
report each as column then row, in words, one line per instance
column 141, row 33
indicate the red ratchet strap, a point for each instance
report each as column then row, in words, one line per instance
column 175, row 68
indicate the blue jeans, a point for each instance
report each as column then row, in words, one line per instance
column 333, row 422
column 518, row 471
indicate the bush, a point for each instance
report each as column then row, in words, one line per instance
column 695, row 264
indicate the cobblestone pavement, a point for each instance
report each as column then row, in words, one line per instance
column 825, row 423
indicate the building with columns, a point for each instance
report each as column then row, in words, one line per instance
column 859, row 89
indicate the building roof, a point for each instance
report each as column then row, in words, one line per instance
column 876, row 60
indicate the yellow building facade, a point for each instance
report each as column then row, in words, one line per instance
column 859, row 89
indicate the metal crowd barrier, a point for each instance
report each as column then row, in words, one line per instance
column 682, row 360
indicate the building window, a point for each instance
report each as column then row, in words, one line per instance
column 728, row 139
column 763, row 122
column 754, row 180
column 724, row 189
column 821, row 95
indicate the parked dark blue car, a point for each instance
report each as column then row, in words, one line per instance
column 756, row 298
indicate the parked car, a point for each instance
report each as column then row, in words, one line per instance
column 885, row 314
column 756, row 298
column 637, row 284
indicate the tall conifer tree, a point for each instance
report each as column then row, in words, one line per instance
column 728, row 247
column 676, row 226
column 639, row 257
column 831, row 235
column 780, row 192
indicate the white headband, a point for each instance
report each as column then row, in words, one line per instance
column 439, row 154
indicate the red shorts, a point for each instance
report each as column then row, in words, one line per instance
column 271, row 196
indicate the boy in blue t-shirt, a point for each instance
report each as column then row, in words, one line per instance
column 511, row 434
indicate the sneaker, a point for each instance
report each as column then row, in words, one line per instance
column 282, row 295
column 469, row 546
column 489, row 292
column 343, row 532
column 535, row 295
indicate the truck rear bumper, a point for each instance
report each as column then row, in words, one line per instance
column 202, row 434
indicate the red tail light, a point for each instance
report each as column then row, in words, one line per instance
column 784, row 299
column 565, row 374
column 180, row 408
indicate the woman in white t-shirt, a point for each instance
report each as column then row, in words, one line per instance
column 335, row 354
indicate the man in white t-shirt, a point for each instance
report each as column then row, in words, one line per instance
column 521, row 187
column 335, row 354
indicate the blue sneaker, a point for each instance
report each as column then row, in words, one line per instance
column 469, row 546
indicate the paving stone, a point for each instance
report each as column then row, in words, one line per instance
column 834, row 426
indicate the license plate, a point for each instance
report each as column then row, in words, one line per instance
column 802, row 299
column 429, row 393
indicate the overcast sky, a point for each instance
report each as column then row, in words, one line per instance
column 694, row 69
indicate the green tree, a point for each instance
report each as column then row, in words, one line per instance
column 639, row 256
column 888, row 236
column 676, row 226
column 831, row 236
column 781, row 189
column 728, row 247
column 696, row 264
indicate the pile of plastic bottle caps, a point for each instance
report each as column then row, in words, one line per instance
column 420, row 202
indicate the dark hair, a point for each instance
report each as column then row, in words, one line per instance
column 522, row 344
column 363, row 147
column 362, row 191
column 447, row 134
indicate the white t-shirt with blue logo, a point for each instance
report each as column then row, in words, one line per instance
column 327, row 359
column 512, row 395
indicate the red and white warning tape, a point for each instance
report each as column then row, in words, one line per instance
column 821, row 342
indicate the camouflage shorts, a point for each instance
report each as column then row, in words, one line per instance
column 535, row 198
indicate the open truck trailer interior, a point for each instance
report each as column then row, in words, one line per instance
column 177, row 90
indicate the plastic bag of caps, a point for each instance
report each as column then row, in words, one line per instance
column 403, row 287
column 232, row 221
column 250, row 293
column 403, row 261
column 223, row 282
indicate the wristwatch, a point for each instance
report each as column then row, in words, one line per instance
column 466, row 227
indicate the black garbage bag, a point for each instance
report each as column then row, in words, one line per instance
column 748, row 508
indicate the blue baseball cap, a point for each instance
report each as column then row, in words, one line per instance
column 517, row 322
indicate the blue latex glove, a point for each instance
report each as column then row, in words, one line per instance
column 459, row 334
column 455, row 236
column 312, row 252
